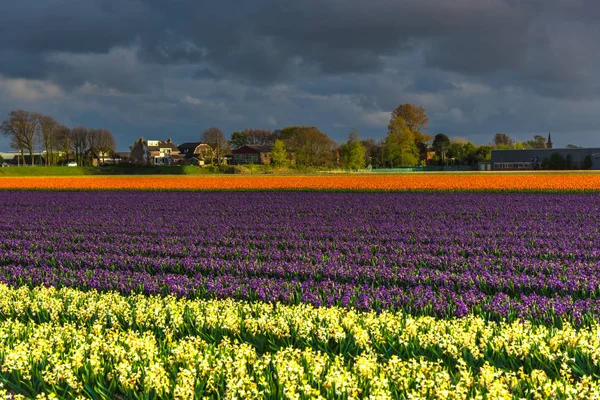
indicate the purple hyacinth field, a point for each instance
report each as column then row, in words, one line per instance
column 497, row 255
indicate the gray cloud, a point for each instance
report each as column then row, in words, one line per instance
column 477, row 66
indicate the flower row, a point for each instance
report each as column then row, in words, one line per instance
column 104, row 345
column 499, row 255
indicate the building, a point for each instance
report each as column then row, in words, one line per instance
column 154, row 152
column 14, row 158
column 529, row 159
column 252, row 154
column 196, row 153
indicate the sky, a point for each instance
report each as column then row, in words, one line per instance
column 170, row 69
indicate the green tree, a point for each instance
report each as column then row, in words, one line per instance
column 353, row 152
column 313, row 148
column 503, row 140
column 538, row 142
column 416, row 121
column 415, row 118
column 484, row 153
column 279, row 154
column 470, row 153
column 399, row 148
column 456, row 152
column 238, row 139
column 441, row 144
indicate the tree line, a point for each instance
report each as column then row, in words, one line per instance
column 407, row 143
column 32, row 132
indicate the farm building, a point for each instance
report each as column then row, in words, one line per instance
column 196, row 152
column 549, row 158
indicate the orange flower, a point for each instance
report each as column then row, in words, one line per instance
column 580, row 181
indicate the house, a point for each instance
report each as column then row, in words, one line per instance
column 154, row 152
column 195, row 152
column 252, row 154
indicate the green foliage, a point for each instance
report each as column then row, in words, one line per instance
column 441, row 144
column 279, row 154
column 413, row 118
column 353, row 153
column 312, row 147
column 399, row 148
column 502, row 139
column 122, row 169
column 538, row 142
column 238, row 139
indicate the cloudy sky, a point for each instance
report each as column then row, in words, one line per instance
column 162, row 69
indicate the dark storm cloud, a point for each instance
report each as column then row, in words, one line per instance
column 470, row 63
column 267, row 41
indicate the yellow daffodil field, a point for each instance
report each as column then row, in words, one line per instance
column 69, row 343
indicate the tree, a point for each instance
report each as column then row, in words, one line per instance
column 47, row 131
column 64, row 141
column 353, row 152
column 503, row 140
column 441, row 144
column 484, row 153
column 215, row 138
column 399, row 148
column 105, row 143
column 538, row 142
column 21, row 126
column 413, row 116
column 470, row 153
column 312, row 147
column 239, row 139
column 279, row 154
column 370, row 149
column 81, row 143
column 260, row 137
column 456, row 152
column 416, row 121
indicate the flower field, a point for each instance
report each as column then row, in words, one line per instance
column 87, row 344
column 134, row 294
column 477, row 181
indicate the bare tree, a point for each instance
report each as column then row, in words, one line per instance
column 105, row 143
column 93, row 140
column 21, row 127
column 260, row 136
column 64, row 141
column 47, row 131
column 215, row 138
column 81, row 143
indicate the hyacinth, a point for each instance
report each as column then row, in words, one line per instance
column 68, row 343
column 513, row 255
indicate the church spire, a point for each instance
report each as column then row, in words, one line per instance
column 549, row 143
